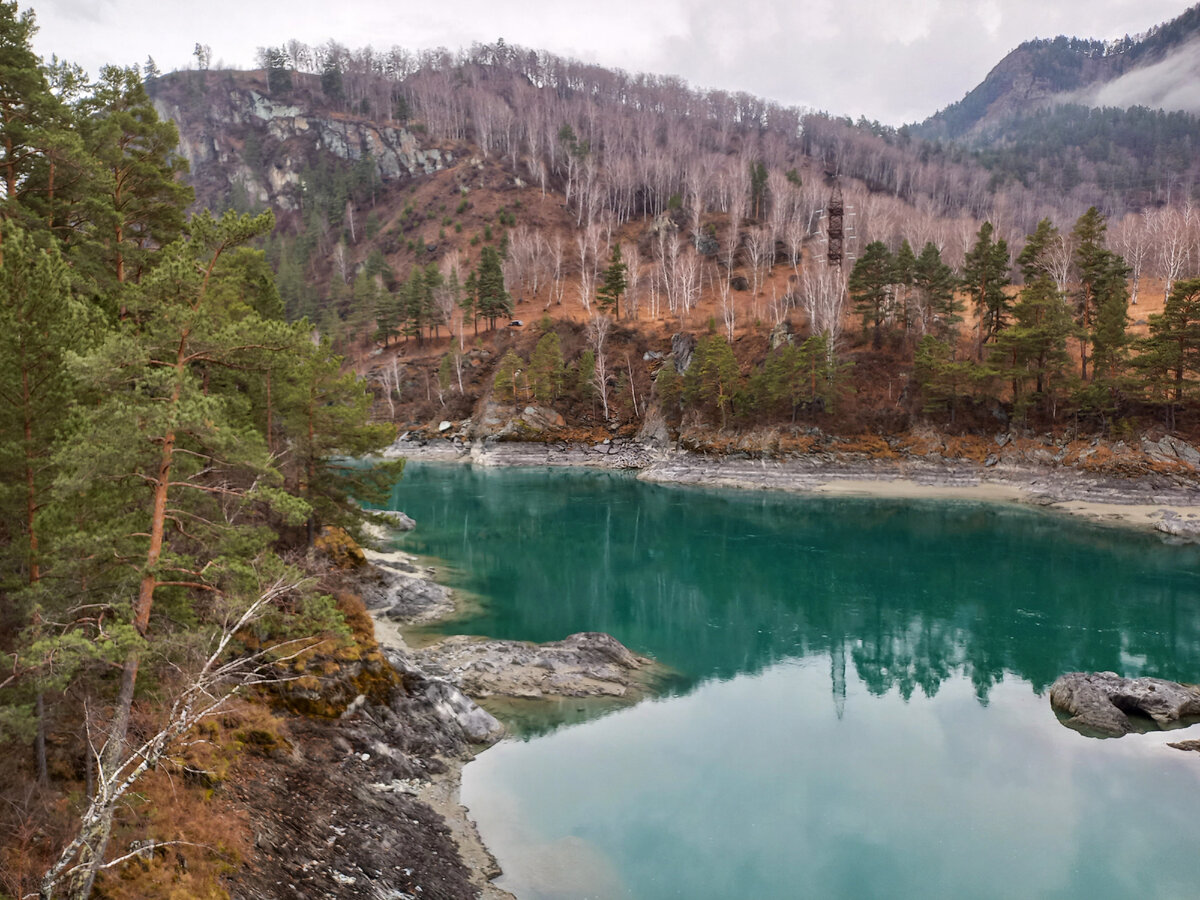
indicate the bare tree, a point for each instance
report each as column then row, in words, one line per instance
column 389, row 380
column 633, row 279
column 824, row 293
column 1172, row 245
column 557, row 255
column 1132, row 239
column 598, row 329
column 203, row 693
column 728, row 308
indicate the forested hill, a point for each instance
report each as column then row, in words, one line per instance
column 1152, row 70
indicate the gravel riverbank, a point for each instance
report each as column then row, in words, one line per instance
column 1112, row 483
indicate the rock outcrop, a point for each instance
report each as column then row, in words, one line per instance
column 397, row 588
column 220, row 122
column 588, row 664
column 1100, row 703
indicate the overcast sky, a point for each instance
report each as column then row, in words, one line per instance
column 893, row 60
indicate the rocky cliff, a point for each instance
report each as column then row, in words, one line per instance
column 242, row 143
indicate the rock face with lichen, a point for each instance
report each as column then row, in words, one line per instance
column 1101, row 703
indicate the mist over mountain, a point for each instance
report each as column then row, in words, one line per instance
column 1156, row 70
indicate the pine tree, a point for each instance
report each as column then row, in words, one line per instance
column 1101, row 287
column 469, row 303
column 904, row 268
column 40, row 324
column 984, row 278
column 139, row 198
column 494, row 301
column 546, row 368
column 936, row 283
column 713, row 377
column 506, row 385
column 1035, row 345
column 869, row 287
column 162, row 464
column 41, row 152
column 608, row 295
column 1170, row 355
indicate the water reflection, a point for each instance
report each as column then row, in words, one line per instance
column 715, row 584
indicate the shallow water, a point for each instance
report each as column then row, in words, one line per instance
column 859, row 709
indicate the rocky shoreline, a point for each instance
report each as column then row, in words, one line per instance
column 1154, row 486
column 457, row 671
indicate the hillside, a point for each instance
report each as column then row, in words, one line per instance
column 393, row 192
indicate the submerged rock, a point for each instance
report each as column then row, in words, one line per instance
column 1099, row 703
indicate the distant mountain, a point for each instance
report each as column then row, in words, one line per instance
column 1112, row 123
column 1157, row 70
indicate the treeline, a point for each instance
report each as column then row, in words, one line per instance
column 1057, row 348
column 1045, row 351
column 169, row 444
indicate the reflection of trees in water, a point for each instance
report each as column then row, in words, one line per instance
column 716, row 584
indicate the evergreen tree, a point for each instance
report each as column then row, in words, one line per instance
column 40, row 154
column 279, row 70
column 431, row 280
column 494, row 301
column 139, row 199
column 608, row 295
column 469, row 303
column 904, row 271
column 758, row 189
column 984, row 278
column 40, row 323
column 943, row 379
column 1170, row 357
column 546, row 368
column 1101, row 288
column 1035, row 346
column 935, row 281
column 324, row 413
column 869, row 287
column 585, row 374
column 713, row 378
column 507, row 382
column 162, row 464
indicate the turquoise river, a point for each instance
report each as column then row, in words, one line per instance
column 858, row 708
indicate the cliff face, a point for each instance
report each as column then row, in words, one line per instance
column 241, row 142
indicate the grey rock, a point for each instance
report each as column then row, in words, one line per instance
column 1170, row 522
column 1099, row 703
column 588, row 664
column 1171, row 449
column 395, row 586
column 780, row 335
column 683, row 345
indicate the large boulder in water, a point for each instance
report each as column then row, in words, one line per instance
column 1100, row 702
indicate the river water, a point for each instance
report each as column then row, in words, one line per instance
column 858, row 703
